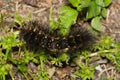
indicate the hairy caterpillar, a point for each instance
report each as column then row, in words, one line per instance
column 38, row 37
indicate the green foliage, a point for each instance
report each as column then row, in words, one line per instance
column 22, row 62
column 59, row 60
column 115, row 56
column 4, row 67
column 92, row 9
column 4, row 70
column 43, row 57
column 66, row 14
column 107, row 2
column 42, row 72
column 6, row 43
column 9, row 41
column 107, row 48
column 104, row 13
column 105, row 43
column 86, row 71
column 96, row 24
column 19, row 19
column 80, row 4
column 22, row 68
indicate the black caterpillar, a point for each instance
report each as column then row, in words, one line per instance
column 38, row 37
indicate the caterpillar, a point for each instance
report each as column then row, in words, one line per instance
column 38, row 37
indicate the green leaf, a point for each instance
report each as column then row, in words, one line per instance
column 68, row 14
column 107, row 41
column 96, row 24
column 93, row 10
column 9, row 41
column 85, row 3
column 22, row 68
column 75, row 3
column 85, row 72
column 57, row 62
column 80, row 4
column 64, row 57
column 53, row 24
column 99, row 2
column 3, row 70
column 19, row 19
column 104, row 13
column 64, row 31
column 67, row 18
column 107, row 2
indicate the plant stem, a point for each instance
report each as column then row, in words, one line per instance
column 103, row 51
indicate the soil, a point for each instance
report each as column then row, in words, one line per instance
column 40, row 9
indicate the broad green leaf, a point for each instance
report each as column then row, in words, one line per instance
column 100, row 2
column 93, row 10
column 96, row 24
column 85, row 3
column 80, row 4
column 75, row 3
column 68, row 14
column 107, row 2
column 67, row 17
column 104, row 13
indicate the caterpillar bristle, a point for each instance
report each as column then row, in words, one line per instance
column 38, row 37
